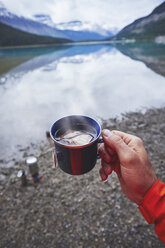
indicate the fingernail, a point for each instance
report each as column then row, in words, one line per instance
column 106, row 132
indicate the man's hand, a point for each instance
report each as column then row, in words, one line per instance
column 126, row 155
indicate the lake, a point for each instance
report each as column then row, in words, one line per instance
column 39, row 85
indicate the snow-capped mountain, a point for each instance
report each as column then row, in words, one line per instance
column 28, row 25
column 43, row 25
column 77, row 30
column 75, row 25
column 72, row 25
column 44, row 19
column 4, row 12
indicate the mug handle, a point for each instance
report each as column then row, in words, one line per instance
column 100, row 140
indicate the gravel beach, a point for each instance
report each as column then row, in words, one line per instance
column 66, row 211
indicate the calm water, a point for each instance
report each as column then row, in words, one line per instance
column 38, row 86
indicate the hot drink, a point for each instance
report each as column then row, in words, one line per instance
column 75, row 138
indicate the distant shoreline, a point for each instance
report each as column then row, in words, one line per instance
column 82, row 43
column 59, row 44
column 32, row 46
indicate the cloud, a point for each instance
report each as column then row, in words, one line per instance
column 107, row 13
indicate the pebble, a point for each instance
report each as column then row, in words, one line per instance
column 2, row 177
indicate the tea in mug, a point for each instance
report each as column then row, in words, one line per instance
column 75, row 138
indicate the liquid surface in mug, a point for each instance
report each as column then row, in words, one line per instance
column 75, row 137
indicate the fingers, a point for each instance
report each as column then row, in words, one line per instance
column 107, row 169
column 109, row 158
column 104, row 153
column 116, row 166
column 114, row 141
column 133, row 142
column 127, row 138
column 103, row 175
column 109, row 150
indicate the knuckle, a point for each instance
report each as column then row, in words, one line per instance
column 128, row 159
column 139, row 141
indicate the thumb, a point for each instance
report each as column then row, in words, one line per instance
column 116, row 143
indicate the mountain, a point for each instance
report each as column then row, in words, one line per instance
column 149, row 28
column 84, row 35
column 44, row 19
column 76, row 30
column 43, row 25
column 77, row 25
column 28, row 25
column 72, row 25
column 14, row 37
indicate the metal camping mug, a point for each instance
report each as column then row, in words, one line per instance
column 72, row 159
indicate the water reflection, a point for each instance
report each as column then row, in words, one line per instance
column 152, row 54
column 98, row 81
column 39, row 57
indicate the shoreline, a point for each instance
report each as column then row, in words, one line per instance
column 83, row 43
column 80, row 211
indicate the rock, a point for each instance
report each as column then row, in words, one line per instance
column 2, row 177
column 162, row 128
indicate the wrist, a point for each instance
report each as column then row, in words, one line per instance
column 146, row 189
column 149, row 203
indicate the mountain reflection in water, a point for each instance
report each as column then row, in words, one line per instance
column 41, row 56
column 151, row 54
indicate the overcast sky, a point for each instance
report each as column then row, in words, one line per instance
column 108, row 13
